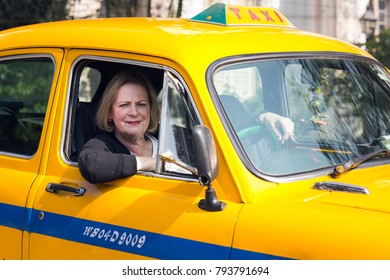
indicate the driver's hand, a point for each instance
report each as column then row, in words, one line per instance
column 282, row 127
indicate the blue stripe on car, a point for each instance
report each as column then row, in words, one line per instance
column 11, row 216
column 118, row 238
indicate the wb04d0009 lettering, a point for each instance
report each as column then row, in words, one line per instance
column 114, row 236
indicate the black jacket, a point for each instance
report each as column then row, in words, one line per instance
column 103, row 159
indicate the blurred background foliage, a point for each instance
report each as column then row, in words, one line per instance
column 379, row 47
column 18, row 80
column 22, row 12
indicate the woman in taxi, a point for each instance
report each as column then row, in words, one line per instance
column 127, row 115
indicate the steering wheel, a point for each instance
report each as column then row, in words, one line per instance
column 261, row 137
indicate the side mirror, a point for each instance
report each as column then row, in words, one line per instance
column 206, row 162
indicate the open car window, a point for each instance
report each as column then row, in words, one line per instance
column 177, row 113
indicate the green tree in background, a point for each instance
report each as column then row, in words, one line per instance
column 22, row 12
column 18, row 81
column 379, row 47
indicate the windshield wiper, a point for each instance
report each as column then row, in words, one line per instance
column 354, row 162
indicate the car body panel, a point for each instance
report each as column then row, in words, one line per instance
column 19, row 173
column 175, row 222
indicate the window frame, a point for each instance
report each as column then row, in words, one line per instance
column 171, row 81
column 71, row 104
column 32, row 56
column 283, row 109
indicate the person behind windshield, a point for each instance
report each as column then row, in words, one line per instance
column 127, row 116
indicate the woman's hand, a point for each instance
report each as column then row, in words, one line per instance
column 146, row 163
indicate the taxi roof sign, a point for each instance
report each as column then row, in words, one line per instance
column 228, row 15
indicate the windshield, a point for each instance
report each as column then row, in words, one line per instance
column 336, row 108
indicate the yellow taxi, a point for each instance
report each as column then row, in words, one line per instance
column 237, row 191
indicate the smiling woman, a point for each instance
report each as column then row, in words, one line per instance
column 131, row 117
column 127, row 116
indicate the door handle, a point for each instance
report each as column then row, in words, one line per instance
column 55, row 188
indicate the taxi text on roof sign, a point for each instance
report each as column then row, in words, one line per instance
column 228, row 15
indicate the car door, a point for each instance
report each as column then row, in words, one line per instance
column 149, row 215
column 27, row 83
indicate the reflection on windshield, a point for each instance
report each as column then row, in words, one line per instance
column 339, row 106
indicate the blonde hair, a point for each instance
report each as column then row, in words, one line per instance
column 103, row 113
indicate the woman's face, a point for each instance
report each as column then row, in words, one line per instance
column 131, row 111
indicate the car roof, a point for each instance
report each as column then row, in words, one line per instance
column 180, row 40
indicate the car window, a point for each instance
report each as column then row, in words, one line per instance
column 90, row 78
column 177, row 119
column 25, row 85
column 88, row 84
column 244, row 84
column 240, row 90
column 339, row 107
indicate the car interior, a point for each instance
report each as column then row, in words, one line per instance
column 97, row 75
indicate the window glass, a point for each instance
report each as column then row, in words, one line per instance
column 175, row 135
column 25, row 86
column 84, row 106
column 89, row 82
column 382, row 5
column 242, row 82
column 339, row 107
